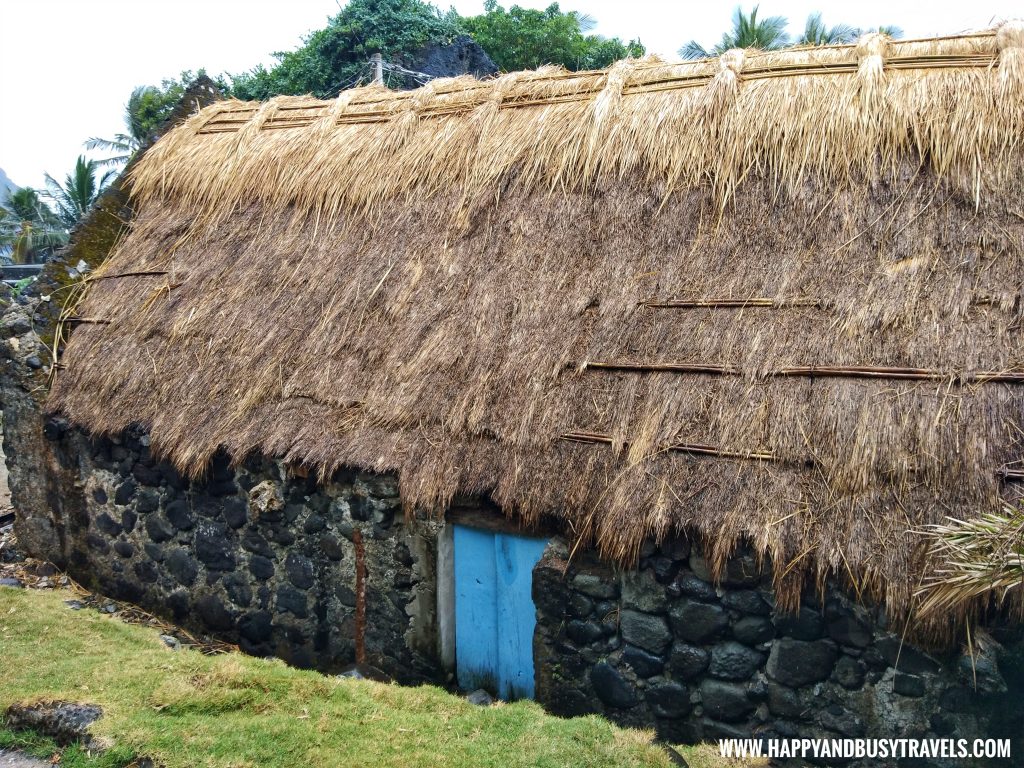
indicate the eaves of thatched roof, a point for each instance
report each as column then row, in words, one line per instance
column 773, row 297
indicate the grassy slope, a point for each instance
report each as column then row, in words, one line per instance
column 185, row 709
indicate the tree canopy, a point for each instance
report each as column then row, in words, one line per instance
column 523, row 38
column 335, row 58
column 29, row 230
column 79, row 191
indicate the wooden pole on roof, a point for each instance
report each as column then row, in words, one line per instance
column 378, row 69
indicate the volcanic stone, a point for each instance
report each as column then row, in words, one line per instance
column 261, row 567
column 124, row 493
column 108, row 525
column 237, row 587
column 611, row 687
column 146, row 475
column 753, row 630
column 669, row 700
column 593, row 585
column 299, row 570
column 688, row 585
column 733, row 661
column 698, row 622
column 331, row 547
column 849, row 673
column 847, row 630
column 146, row 572
column 213, row 613
column 180, row 516
column 580, row 606
column 645, row 631
column 904, row 657
column 643, row 663
column 291, row 600
column 63, row 721
column 256, row 627
column 213, row 548
column 906, row 684
column 642, row 592
column 677, row 549
column 840, row 720
column 128, row 520
column 236, row 512
column 798, row 662
column 663, row 568
column 806, row 624
column 785, row 702
column 314, row 524
column 746, row 601
column 583, row 632
column 688, row 661
column 725, row 701
column 124, row 549
column 159, row 530
column 182, row 567
column 253, row 542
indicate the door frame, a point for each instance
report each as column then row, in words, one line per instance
column 472, row 514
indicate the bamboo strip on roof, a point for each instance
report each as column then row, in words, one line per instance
column 851, row 372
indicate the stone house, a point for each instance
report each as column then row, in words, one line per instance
column 632, row 391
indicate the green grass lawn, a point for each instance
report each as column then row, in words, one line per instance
column 182, row 708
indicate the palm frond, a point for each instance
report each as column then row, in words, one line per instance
column 979, row 557
column 817, row 33
column 78, row 192
column 694, row 50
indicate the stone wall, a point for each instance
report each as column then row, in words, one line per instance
column 663, row 646
column 253, row 555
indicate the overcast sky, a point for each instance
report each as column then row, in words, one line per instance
column 67, row 66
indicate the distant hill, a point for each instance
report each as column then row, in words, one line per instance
column 6, row 185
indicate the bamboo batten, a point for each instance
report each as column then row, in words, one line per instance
column 851, row 372
column 731, row 303
column 696, row 449
column 700, row 449
column 772, row 297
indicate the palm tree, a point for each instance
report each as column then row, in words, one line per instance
column 78, row 192
column 890, row 30
column 125, row 145
column 29, row 230
column 816, row 33
column 747, row 32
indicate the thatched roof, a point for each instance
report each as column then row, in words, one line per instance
column 773, row 297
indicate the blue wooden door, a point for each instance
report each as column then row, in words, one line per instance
column 494, row 612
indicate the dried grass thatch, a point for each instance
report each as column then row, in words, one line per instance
column 773, row 297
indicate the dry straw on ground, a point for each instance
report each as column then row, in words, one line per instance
column 418, row 281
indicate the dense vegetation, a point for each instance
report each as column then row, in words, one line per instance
column 336, row 57
column 522, row 38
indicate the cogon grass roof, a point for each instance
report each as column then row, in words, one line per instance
column 772, row 297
